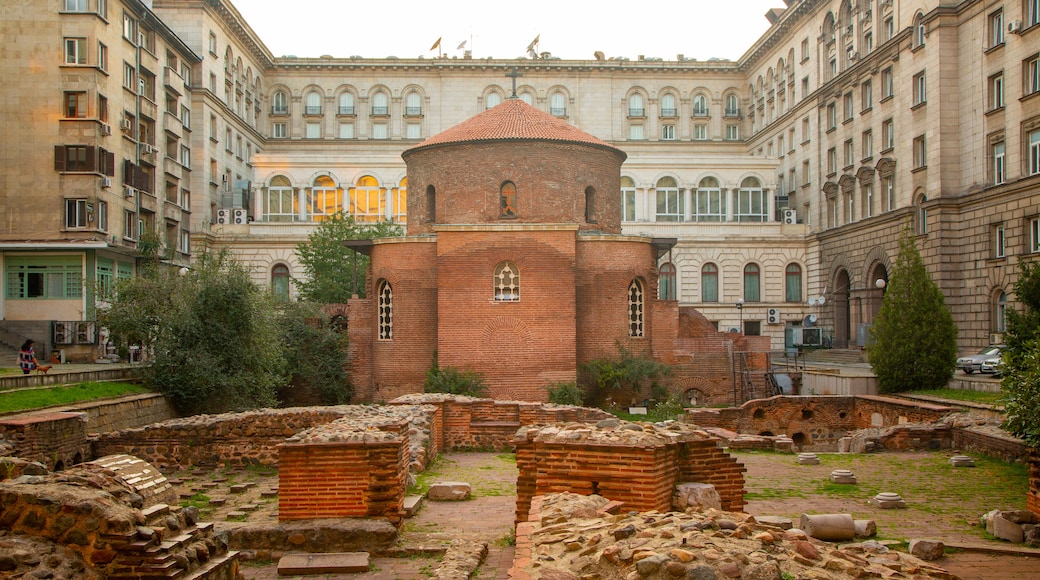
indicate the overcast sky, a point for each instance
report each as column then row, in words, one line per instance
column 699, row 29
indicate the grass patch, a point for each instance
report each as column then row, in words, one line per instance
column 10, row 371
column 506, row 541
column 984, row 397
column 67, row 394
column 200, row 501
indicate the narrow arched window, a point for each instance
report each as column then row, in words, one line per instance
column 635, row 106
column 386, row 311
column 590, row 205
column 668, row 105
column 413, row 104
column 635, row 308
column 492, row 100
column 752, row 283
column 431, row 203
column 1000, row 313
column 666, row 282
column 732, row 106
column 700, row 106
column 508, row 199
column 709, row 283
column 380, row 104
column 346, row 104
column 793, row 283
column 280, row 103
column 558, row 105
column 313, row 104
column 507, row 282
column 280, row 282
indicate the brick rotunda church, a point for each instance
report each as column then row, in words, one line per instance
column 514, row 266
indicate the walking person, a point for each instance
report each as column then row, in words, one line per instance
column 27, row 357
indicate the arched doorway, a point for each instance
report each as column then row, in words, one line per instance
column 842, row 310
column 877, row 284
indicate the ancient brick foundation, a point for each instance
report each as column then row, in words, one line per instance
column 55, row 439
column 638, row 465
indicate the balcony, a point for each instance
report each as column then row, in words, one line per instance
column 173, row 81
column 173, row 125
column 279, row 110
column 310, row 110
column 636, row 113
column 413, row 111
column 558, row 111
column 732, row 113
column 345, row 110
column 700, row 113
column 669, row 113
column 380, row 111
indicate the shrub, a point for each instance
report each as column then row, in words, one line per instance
column 565, row 394
column 453, row 381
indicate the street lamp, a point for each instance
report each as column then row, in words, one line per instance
column 740, row 309
column 880, row 283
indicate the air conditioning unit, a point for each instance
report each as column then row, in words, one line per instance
column 223, row 216
column 773, row 316
column 148, row 149
column 106, row 182
column 126, row 124
column 240, row 216
column 812, row 337
column 996, row 338
column 853, row 55
column 1015, row 26
column 62, row 333
column 129, row 192
column 789, row 216
column 106, row 129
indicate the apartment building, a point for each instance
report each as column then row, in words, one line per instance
column 786, row 175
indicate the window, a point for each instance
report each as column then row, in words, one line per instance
column 793, row 283
column 999, row 241
column 325, row 198
column 805, row 49
column 76, row 213
column 380, row 104
column 996, row 28
column 492, row 100
column 888, row 187
column 751, row 203
column 889, row 27
column 780, row 146
column 44, row 277
column 832, row 117
column 280, row 201
column 185, row 158
column 313, row 106
column 279, row 103
column 379, row 131
column 130, row 225
column 709, row 203
column 213, row 44
column 805, row 130
column 1031, row 74
column 102, row 56
column 666, row 282
column 1000, row 312
column 367, row 203
column 184, row 242
column 635, row 105
column 413, row 104
column 850, row 153
column 667, row 132
column 628, row 199
column 918, row 40
column 998, row 163
column 413, row 131
column 507, row 200
column 848, row 106
column 888, row 135
column 996, row 91
column 805, row 173
column 709, row 283
column 922, row 215
column 868, row 199
column 668, row 106
column 278, row 131
column 635, row 132
column 867, row 144
column 866, row 94
column 129, row 28
column 129, row 77
column 386, row 311
column 526, row 98
column 280, row 282
column 1034, row 235
column 557, row 105
column 700, row 132
column 75, row 105
column 75, row 5
column 920, row 86
column 887, row 84
column 732, row 132
column 346, row 130
column 868, row 42
column 507, row 282
column 1034, row 152
column 1032, row 12
column 752, row 291
column 920, row 152
column 74, row 158
column 700, row 106
column 805, row 86
column 635, row 309
column 832, row 161
column 669, row 201
column 346, row 104
column 590, row 204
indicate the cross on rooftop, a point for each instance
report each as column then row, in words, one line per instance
column 514, row 74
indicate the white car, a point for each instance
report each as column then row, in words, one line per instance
column 993, row 366
column 973, row 363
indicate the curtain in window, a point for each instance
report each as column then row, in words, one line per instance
column 709, row 283
column 751, row 283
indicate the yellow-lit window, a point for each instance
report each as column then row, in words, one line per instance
column 325, row 198
column 366, row 200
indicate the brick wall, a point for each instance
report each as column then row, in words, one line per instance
column 55, row 439
column 1005, row 447
column 342, row 479
column 1033, row 495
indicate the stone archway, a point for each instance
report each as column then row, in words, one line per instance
column 842, row 309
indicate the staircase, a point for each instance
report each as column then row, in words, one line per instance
column 171, row 545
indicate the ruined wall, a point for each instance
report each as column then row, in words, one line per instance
column 125, row 412
column 1033, row 495
column 55, row 439
column 342, row 470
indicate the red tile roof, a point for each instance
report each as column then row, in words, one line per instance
column 511, row 121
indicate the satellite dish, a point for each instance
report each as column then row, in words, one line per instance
column 821, row 300
column 809, row 321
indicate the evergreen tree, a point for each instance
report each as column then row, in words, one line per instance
column 915, row 338
column 1021, row 382
column 330, row 266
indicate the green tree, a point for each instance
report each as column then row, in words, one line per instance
column 330, row 266
column 453, row 381
column 1021, row 381
column 915, row 338
column 315, row 352
column 627, row 371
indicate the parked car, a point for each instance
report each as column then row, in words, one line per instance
column 993, row 365
column 973, row 363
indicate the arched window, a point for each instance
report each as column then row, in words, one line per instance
column 709, row 205
column 507, row 282
column 752, row 292
column 590, row 205
column 709, row 283
column 346, row 104
column 399, row 202
column 558, row 105
column 313, row 103
column 700, row 106
column 922, row 215
column 793, row 283
column 280, row 282
column 635, row 105
column 1000, row 312
column 527, row 98
column 666, row 282
column 751, row 201
column 732, row 106
column 918, row 30
column 669, row 201
column 280, row 201
column 628, row 199
column 668, row 105
column 386, row 311
column 325, row 198
column 508, row 199
column 279, row 103
column 413, row 104
column 635, row 308
column 431, row 203
column 380, row 104
column 366, row 200
column 492, row 100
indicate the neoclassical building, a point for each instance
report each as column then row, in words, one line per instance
column 785, row 176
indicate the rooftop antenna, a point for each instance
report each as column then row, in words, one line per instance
column 532, row 49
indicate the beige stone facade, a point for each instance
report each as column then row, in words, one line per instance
column 786, row 175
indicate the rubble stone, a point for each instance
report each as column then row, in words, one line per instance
column 927, row 550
